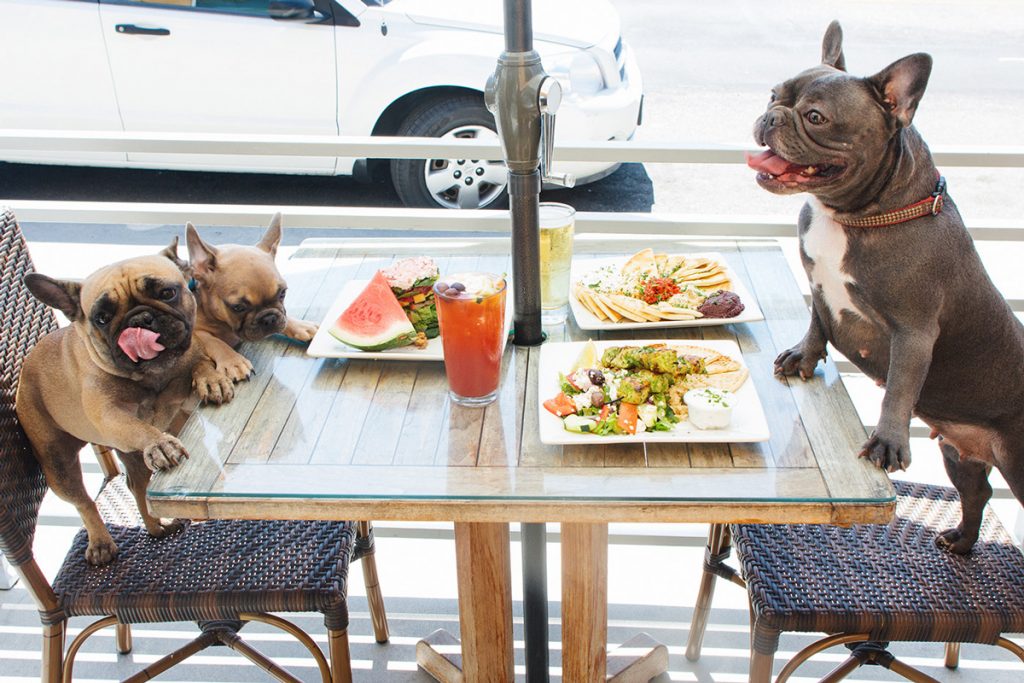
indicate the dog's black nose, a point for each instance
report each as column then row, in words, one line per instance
column 268, row 320
column 142, row 319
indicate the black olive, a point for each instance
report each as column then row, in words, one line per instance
column 596, row 377
column 597, row 398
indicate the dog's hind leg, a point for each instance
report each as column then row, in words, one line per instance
column 138, row 476
column 1008, row 453
column 63, row 472
column 970, row 477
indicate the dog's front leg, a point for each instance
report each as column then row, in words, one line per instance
column 804, row 357
column 123, row 430
column 910, row 354
column 300, row 330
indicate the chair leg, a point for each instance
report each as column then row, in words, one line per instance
column 107, row 460
column 53, row 653
column 374, row 598
column 764, row 643
column 341, row 662
column 952, row 655
column 719, row 539
column 123, row 633
column 842, row 671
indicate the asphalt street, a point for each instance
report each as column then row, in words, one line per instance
column 708, row 69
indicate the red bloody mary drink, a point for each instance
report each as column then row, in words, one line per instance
column 471, row 314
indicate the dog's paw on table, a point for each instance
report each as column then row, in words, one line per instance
column 797, row 361
column 164, row 453
column 214, row 387
column 890, row 452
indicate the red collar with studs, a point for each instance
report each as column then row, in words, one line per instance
column 929, row 206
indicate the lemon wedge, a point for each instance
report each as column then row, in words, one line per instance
column 587, row 357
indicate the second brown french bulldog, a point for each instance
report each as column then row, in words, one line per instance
column 240, row 296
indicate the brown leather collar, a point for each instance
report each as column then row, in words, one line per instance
column 929, row 206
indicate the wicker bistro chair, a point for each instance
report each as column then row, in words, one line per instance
column 871, row 584
column 220, row 574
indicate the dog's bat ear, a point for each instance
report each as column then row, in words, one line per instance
column 272, row 237
column 901, row 85
column 171, row 252
column 64, row 295
column 202, row 257
column 832, row 47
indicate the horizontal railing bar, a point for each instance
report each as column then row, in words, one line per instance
column 427, row 148
column 440, row 220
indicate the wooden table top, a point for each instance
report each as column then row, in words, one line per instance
column 317, row 438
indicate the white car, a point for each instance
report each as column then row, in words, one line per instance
column 309, row 67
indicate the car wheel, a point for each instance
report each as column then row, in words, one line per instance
column 450, row 183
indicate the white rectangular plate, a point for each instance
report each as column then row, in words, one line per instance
column 748, row 421
column 326, row 346
column 586, row 320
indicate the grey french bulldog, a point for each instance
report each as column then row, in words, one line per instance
column 896, row 283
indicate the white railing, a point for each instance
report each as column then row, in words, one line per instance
column 425, row 148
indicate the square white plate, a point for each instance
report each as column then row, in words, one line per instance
column 588, row 321
column 748, row 420
column 326, row 346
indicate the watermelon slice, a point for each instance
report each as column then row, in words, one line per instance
column 375, row 320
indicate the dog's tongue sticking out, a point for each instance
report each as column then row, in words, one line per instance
column 138, row 342
column 767, row 162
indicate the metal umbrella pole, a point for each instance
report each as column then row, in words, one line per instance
column 524, row 99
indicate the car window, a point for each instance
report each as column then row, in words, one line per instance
column 250, row 7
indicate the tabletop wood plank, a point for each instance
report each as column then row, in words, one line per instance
column 424, row 417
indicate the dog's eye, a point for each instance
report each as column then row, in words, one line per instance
column 239, row 308
column 814, row 116
column 168, row 293
column 773, row 97
column 102, row 318
column 280, row 295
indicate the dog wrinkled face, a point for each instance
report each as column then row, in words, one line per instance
column 254, row 309
column 138, row 313
column 240, row 286
column 826, row 130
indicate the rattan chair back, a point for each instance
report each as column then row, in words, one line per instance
column 24, row 321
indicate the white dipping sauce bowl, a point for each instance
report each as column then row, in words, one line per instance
column 709, row 408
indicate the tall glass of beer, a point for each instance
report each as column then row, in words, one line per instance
column 556, row 229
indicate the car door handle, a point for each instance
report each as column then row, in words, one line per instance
column 132, row 29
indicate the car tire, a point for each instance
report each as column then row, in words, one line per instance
column 450, row 183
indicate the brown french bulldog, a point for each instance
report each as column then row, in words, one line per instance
column 116, row 376
column 897, row 285
column 240, row 296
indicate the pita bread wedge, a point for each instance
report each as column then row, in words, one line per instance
column 714, row 362
column 637, row 308
column 729, row 381
column 640, row 262
column 585, row 297
column 600, row 300
column 665, row 308
column 660, row 261
column 626, row 312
